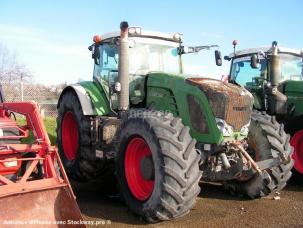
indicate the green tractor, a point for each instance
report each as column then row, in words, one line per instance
column 159, row 131
column 274, row 75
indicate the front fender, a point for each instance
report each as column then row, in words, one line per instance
column 92, row 99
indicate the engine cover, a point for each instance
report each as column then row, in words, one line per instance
column 228, row 101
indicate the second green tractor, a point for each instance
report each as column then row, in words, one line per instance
column 160, row 132
column 274, row 75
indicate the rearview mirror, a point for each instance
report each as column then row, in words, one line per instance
column 218, row 58
column 226, row 57
column 95, row 53
column 254, row 61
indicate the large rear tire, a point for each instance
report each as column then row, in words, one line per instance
column 267, row 139
column 74, row 139
column 157, row 166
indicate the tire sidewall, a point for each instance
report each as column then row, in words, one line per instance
column 262, row 143
column 269, row 138
column 139, row 127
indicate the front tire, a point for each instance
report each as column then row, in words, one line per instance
column 267, row 140
column 157, row 166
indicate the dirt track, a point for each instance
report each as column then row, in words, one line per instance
column 214, row 208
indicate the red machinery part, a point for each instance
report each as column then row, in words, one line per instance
column 70, row 136
column 9, row 164
column 33, row 182
column 136, row 151
column 297, row 143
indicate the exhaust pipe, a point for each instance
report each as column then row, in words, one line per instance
column 123, row 67
column 275, row 70
column 277, row 100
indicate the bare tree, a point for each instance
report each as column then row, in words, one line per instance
column 11, row 70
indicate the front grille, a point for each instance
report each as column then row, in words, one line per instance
column 228, row 102
column 238, row 112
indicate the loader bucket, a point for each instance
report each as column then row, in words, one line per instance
column 50, row 207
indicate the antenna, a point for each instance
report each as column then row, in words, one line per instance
column 235, row 42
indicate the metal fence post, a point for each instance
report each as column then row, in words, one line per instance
column 21, row 85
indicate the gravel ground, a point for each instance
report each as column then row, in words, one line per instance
column 214, row 208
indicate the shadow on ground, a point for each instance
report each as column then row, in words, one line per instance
column 296, row 182
column 211, row 191
column 96, row 203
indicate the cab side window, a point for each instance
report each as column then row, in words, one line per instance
column 107, row 71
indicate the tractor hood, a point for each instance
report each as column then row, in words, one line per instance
column 229, row 102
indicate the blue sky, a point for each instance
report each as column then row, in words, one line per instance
column 51, row 37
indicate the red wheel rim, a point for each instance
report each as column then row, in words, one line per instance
column 297, row 142
column 137, row 149
column 69, row 136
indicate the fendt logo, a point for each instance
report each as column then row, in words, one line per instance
column 239, row 109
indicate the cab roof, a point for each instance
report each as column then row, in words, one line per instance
column 267, row 50
column 145, row 33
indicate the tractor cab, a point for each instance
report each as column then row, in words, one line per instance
column 255, row 70
column 148, row 52
column 244, row 73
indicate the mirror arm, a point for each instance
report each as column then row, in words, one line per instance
column 195, row 49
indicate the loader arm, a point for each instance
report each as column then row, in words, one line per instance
column 31, row 111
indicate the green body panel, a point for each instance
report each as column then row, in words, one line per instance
column 167, row 92
column 256, row 89
column 257, row 99
column 98, row 97
column 164, row 92
column 294, row 92
column 292, row 89
column 258, row 96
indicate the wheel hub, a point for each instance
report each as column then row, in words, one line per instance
column 69, row 131
column 139, row 168
column 147, row 168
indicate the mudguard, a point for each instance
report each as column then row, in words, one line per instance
column 93, row 99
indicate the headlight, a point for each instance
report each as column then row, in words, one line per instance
column 138, row 30
column 134, row 30
column 245, row 129
column 226, row 129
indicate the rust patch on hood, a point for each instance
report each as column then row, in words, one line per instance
column 229, row 102
column 217, row 85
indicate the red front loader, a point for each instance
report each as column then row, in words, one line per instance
column 34, row 188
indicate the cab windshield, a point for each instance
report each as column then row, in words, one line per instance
column 244, row 74
column 291, row 67
column 153, row 55
column 145, row 55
